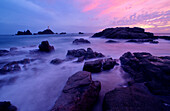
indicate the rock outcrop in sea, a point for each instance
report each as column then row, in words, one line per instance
column 81, row 41
column 99, row 65
column 82, row 54
column 125, row 33
column 79, row 94
column 47, row 31
column 45, row 47
column 24, row 33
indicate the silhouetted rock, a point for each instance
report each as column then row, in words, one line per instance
column 164, row 37
column 24, row 33
column 89, row 54
column 154, row 71
column 111, row 41
column 81, row 41
column 79, row 94
column 45, row 47
column 99, row 65
column 133, row 98
column 81, row 33
column 4, row 52
column 63, row 33
column 47, row 31
column 143, row 40
column 6, row 106
column 56, row 61
column 124, row 33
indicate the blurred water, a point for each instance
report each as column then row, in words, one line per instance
column 36, row 87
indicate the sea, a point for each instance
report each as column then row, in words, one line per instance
column 38, row 85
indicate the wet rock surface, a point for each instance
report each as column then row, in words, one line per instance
column 133, row 98
column 81, row 41
column 154, row 71
column 125, row 33
column 99, row 65
column 14, row 66
column 79, row 94
column 82, row 54
column 7, row 106
column 56, row 61
column 45, row 47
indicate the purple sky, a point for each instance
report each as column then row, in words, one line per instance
column 83, row 15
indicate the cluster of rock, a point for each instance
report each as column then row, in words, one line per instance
column 79, row 94
column 82, row 54
column 164, row 37
column 24, row 33
column 45, row 47
column 99, row 65
column 81, row 41
column 7, row 106
column 14, row 66
column 154, row 71
column 4, row 52
column 125, row 33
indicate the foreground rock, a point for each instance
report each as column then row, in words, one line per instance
column 14, row 66
column 24, row 33
column 125, row 33
column 99, row 65
column 79, row 94
column 133, row 98
column 154, row 71
column 82, row 54
column 45, row 47
column 47, row 31
column 81, row 41
column 6, row 106
column 143, row 40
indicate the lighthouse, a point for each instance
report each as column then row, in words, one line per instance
column 48, row 27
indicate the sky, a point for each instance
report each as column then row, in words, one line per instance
column 83, row 15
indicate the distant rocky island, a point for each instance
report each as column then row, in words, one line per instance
column 24, row 33
column 125, row 33
column 47, row 31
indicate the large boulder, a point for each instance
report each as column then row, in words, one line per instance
column 45, row 47
column 47, row 31
column 83, row 54
column 7, row 106
column 133, row 98
column 99, row 65
column 124, row 33
column 81, row 41
column 79, row 94
column 154, row 71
